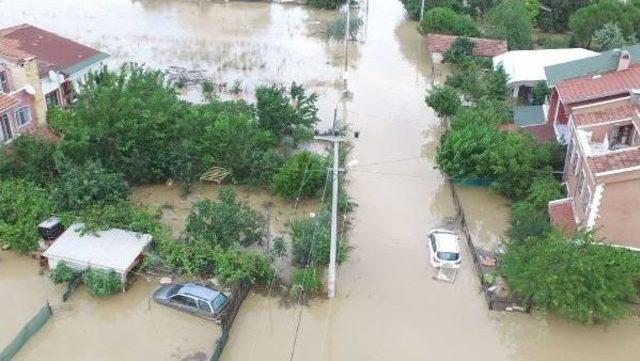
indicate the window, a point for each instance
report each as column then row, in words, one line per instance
column 52, row 99
column 621, row 136
column 203, row 306
column 433, row 242
column 23, row 116
column 586, row 198
column 219, row 302
column 184, row 300
column 580, row 183
column 4, row 81
column 5, row 128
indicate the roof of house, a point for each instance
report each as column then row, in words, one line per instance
column 562, row 215
column 526, row 115
column 599, row 64
column 52, row 51
column 7, row 101
column 542, row 133
column 610, row 114
column 115, row 249
column 617, row 160
column 439, row 43
column 529, row 65
column 599, row 86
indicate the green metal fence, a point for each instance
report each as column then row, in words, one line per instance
column 28, row 330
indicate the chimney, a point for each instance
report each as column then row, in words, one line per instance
column 625, row 59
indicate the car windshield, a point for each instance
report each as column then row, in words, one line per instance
column 448, row 256
column 219, row 301
column 174, row 290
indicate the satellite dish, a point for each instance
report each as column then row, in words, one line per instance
column 29, row 89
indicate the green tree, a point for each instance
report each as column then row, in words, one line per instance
column 527, row 220
column 302, row 175
column 226, row 222
column 586, row 21
column 577, row 278
column 31, row 158
column 445, row 100
column 413, row 6
column 543, row 190
column 608, row 37
column 446, row 21
column 510, row 20
column 497, row 87
column 79, row 187
column 460, row 50
column 23, row 205
column 291, row 113
column 556, row 18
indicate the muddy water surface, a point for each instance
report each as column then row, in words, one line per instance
column 387, row 305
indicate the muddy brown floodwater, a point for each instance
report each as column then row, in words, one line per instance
column 387, row 305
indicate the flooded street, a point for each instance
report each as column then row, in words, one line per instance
column 387, row 306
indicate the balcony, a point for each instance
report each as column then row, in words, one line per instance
column 607, row 139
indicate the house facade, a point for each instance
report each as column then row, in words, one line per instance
column 17, row 109
column 49, row 66
column 602, row 171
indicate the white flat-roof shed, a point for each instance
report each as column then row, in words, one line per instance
column 526, row 67
column 115, row 249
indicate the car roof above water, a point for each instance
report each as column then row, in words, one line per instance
column 194, row 289
column 447, row 241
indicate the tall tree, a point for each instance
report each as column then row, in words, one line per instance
column 586, row 21
column 511, row 20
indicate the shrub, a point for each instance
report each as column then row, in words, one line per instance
column 527, row 220
column 79, row 187
column 413, row 6
column 225, row 222
column 307, row 281
column 325, row 4
column 577, row 278
column 444, row 100
column 497, row 87
column 310, row 241
column 286, row 112
column 446, row 21
column 102, row 283
column 540, row 93
column 302, row 175
column 63, row 273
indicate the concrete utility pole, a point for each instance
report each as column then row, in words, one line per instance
column 421, row 9
column 347, row 37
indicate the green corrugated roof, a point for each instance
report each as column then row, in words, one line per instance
column 85, row 63
column 528, row 115
column 598, row 64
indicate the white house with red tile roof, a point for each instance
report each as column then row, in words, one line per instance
column 602, row 171
column 50, row 64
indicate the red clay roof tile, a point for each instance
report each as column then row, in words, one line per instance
column 599, row 86
column 7, row 101
column 542, row 133
column 615, row 160
column 439, row 43
column 609, row 114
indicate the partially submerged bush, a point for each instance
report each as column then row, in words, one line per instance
column 443, row 20
column 63, row 273
column 306, row 281
column 303, row 175
column 88, row 184
column 102, row 283
column 310, row 238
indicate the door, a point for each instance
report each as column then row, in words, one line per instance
column 5, row 128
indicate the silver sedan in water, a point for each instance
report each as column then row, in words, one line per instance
column 194, row 298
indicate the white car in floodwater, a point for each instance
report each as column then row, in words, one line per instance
column 445, row 249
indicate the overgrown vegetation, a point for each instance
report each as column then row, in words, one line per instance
column 63, row 273
column 101, row 283
column 443, row 20
column 302, row 175
column 311, row 238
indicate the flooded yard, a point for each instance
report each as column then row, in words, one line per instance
column 387, row 305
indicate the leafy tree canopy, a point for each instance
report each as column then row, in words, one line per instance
column 302, row 175
column 511, row 20
column 443, row 20
column 586, row 21
column 445, row 100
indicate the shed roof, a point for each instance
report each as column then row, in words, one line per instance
column 562, row 215
column 440, row 43
column 599, row 64
column 114, row 249
column 52, row 51
column 529, row 65
column 599, row 86
column 526, row 115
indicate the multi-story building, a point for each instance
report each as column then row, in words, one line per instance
column 602, row 171
column 46, row 66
